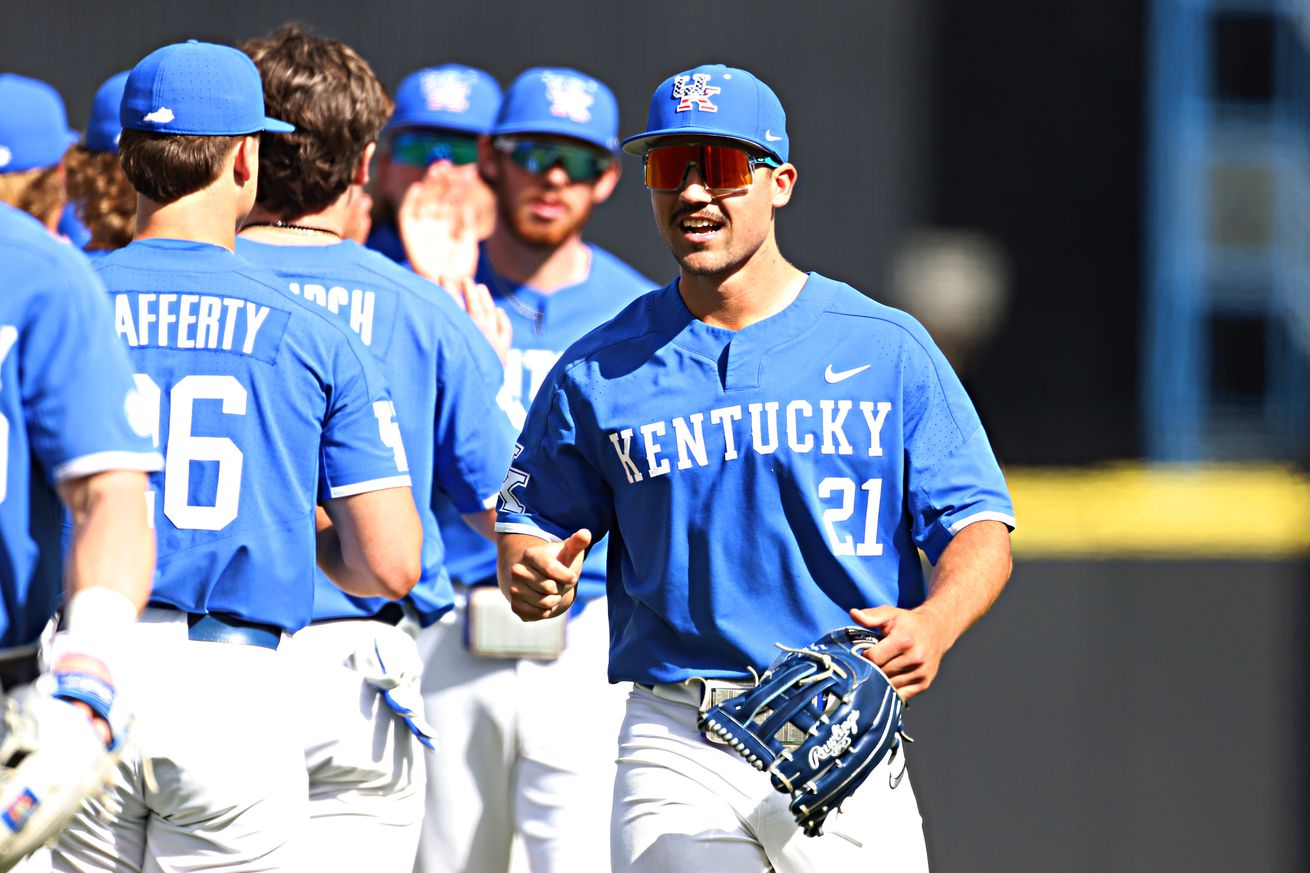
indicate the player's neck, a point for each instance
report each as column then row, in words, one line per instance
column 323, row 228
column 545, row 269
column 763, row 286
column 204, row 216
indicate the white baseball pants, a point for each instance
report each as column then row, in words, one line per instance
column 522, row 746
column 682, row 803
column 365, row 776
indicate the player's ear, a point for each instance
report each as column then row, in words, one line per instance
column 603, row 187
column 245, row 160
column 488, row 168
column 365, row 161
column 783, row 182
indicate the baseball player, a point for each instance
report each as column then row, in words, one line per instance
column 103, row 198
column 66, row 434
column 504, row 696
column 366, row 774
column 262, row 404
column 440, row 112
column 768, row 450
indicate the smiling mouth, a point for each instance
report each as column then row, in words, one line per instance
column 698, row 229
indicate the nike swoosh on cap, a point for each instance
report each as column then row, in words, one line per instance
column 768, row 134
column 844, row 374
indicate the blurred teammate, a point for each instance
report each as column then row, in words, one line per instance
column 768, row 450
column 366, row 773
column 99, row 191
column 263, row 404
column 66, row 434
column 440, row 112
column 514, row 754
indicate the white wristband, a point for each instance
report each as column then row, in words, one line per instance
column 98, row 613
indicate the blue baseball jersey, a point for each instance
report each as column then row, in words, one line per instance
column 444, row 376
column 544, row 326
column 254, row 394
column 755, row 484
column 385, row 239
column 67, row 409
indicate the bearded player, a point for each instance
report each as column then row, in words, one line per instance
column 513, row 757
column 263, row 404
column 366, row 768
column 768, row 450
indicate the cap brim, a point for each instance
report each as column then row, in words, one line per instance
column 545, row 128
column 272, row 125
column 643, row 142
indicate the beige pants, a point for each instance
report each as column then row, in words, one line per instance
column 682, row 803
column 524, row 748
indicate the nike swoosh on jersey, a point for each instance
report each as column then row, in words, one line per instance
column 844, row 374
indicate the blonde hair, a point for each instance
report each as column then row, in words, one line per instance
column 38, row 192
column 105, row 199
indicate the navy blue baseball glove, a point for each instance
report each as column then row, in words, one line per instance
column 819, row 721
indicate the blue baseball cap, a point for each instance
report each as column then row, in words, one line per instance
column 560, row 101
column 34, row 132
column 714, row 100
column 451, row 96
column 103, row 130
column 197, row 89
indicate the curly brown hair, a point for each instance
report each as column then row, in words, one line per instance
column 38, row 192
column 105, row 200
column 338, row 107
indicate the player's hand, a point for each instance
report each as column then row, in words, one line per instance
column 439, row 226
column 490, row 318
column 542, row 579
column 912, row 646
column 85, row 682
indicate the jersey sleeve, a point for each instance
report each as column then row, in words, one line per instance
column 474, row 437
column 953, row 477
column 362, row 450
column 552, row 488
column 83, row 412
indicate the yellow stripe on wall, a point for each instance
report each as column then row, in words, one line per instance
column 1138, row 510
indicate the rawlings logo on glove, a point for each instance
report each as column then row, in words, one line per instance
column 839, row 701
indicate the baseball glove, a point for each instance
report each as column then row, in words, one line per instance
column 51, row 754
column 838, row 701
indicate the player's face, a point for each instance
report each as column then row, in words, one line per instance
column 398, row 169
column 714, row 233
column 543, row 209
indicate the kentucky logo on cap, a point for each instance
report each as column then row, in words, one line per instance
column 694, row 91
column 569, row 96
column 447, row 89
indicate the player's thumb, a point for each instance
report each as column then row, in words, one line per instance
column 571, row 551
column 876, row 617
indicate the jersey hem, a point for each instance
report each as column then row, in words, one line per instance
column 102, row 462
column 369, row 485
column 530, row 530
column 1007, row 520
